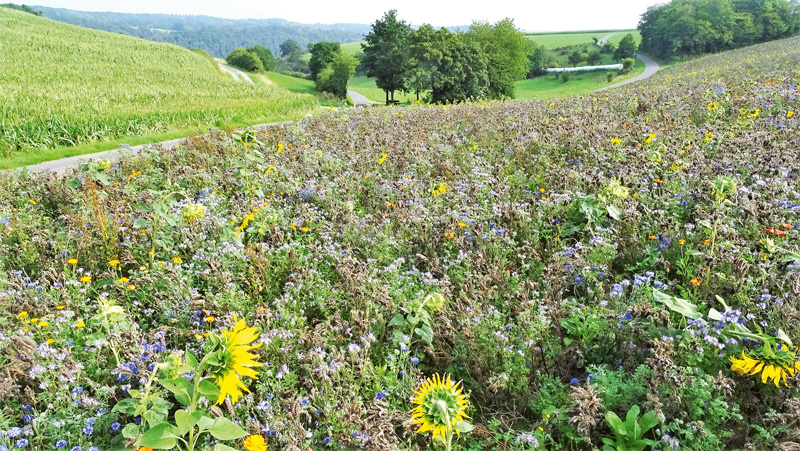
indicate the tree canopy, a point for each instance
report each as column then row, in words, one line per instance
column 506, row 50
column 386, row 53
column 322, row 54
column 691, row 27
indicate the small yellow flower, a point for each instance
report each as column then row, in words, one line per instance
column 462, row 225
column 59, row 307
column 790, row 114
column 255, row 443
column 131, row 287
column 42, row 324
column 72, row 261
column 113, row 263
column 176, row 259
column 209, row 319
column 123, row 279
column 86, row 279
column 650, row 138
column 80, row 325
column 695, row 281
column 50, row 341
column 448, row 234
column 23, row 314
column 383, row 158
column 32, row 201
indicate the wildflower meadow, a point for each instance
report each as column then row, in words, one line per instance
column 615, row 270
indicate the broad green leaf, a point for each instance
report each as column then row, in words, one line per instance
column 678, row 305
column 126, row 406
column 178, row 386
column 648, row 421
column 784, row 338
column 221, row 447
column 614, row 212
column 463, row 426
column 630, row 422
column 615, row 423
column 209, row 389
column 159, row 437
column 398, row 320
column 425, row 332
column 131, row 430
column 184, row 421
column 225, row 429
column 204, row 423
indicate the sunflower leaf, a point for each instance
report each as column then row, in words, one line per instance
column 463, row 426
column 185, row 421
column 159, row 437
column 678, row 305
column 208, row 388
column 225, row 429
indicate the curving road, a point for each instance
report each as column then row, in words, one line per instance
column 359, row 99
column 650, row 69
column 237, row 74
column 602, row 41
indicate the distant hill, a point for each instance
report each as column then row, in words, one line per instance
column 216, row 35
column 62, row 85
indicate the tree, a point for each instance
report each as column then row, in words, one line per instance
column 575, row 57
column 425, row 53
column 333, row 78
column 290, row 48
column 322, row 54
column 462, row 73
column 592, row 57
column 245, row 59
column 609, row 47
column 268, row 60
column 386, row 53
column 540, row 59
column 506, row 50
column 626, row 47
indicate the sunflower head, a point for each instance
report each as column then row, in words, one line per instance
column 440, row 405
column 229, row 358
column 773, row 365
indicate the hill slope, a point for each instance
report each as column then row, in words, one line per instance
column 63, row 85
column 216, row 35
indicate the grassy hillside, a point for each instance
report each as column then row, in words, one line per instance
column 566, row 259
column 556, row 40
column 66, row 85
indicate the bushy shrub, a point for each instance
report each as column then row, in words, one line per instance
column 245, row 59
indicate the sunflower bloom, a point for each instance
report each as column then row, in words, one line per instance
column 440, row 405
column 255, row 443
column 231, row 360
column 774, row 369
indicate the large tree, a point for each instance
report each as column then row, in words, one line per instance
column 506, row 50
column 626, row 47
column 424, row 55
column 386, row 53
column 322, row 54
column 462, row 71
column 265, row 55
column 334, row 76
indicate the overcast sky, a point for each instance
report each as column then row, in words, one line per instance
column 528, row 15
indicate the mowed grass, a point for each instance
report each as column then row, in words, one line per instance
column 298, row 85
column 62, row 85
column 579, row 82
column 557, row 40
column 366, row 86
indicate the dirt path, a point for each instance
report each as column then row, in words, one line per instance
column 237, row 74
column 358, row 99
column 602, row 41
column 61, row 166
column 650, row 69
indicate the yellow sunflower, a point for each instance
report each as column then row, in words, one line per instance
column 771, row 368
column 440, row 405
column 230, row 359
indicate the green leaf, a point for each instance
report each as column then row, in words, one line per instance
column 126, row 406
column 178, row 386
column 398, row 320
column 463, row 426
column 630, row 422
column 614, row 212
column 159, row 437
column 678, row 305
column 784, row 338
column 185, row 422
column 648, row 421
column 225, row 429
column 425, row 332
column 413, row 320
column 131, row 430
column 204, row 423
column 615, row 423
column 221, row 447
column 209, row 389
column 141, row 224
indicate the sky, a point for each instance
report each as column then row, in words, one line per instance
column 530, row 15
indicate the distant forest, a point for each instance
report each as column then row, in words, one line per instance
column 215, row 35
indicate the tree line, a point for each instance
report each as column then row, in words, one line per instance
column 692, row 27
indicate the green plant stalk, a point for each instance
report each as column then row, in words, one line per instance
column 193, row 403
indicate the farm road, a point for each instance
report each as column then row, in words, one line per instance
column 604, row 39
column 650, row 69
column 61, row 166
column 358, row 99
column 237, row 74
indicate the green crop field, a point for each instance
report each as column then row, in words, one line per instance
column 62, row 85
column 556, row 40
column 367, row 87
column 579, row 82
